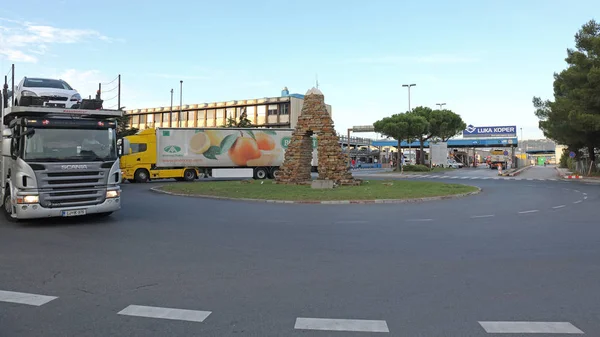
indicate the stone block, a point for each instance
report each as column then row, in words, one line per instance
column 322, row 184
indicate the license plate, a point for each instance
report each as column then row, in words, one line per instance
column 74, row 212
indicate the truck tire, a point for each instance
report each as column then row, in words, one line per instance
column 7, row 208
column 141, row 176
column 261, row 173
column 274, row 172
column 189, row 175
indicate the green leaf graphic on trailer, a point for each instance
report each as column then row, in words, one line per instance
column 251, row 134
column 270, row 132
column 212, row 152
column 227, row 142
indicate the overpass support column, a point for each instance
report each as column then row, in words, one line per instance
column 512, row 157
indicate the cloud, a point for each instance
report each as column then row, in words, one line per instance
column 431, row 59
column 19, row 40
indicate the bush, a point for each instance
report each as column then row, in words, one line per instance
column 416, row 168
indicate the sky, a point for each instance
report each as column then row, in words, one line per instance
column 484, row 59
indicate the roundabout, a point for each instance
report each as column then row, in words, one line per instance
column 172, row 265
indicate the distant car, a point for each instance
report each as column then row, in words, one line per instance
column 46, row 92
column 454, row 164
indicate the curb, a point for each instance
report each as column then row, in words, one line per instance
column 318, row 202
column 519, row 171
column 572, row 177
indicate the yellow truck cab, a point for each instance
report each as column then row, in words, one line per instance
column 138, row 162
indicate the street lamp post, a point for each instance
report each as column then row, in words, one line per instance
column 409, row 86
column 440, row 105
column 180, row 101
column 171, row 111
column 410, row 140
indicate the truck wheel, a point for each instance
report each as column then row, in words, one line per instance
column 7, row 208
column 189, row 175
column 260, row 173
column 141, row 176
column 274, row 172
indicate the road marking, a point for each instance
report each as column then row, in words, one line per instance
column 350, row 221
column 417, row 220
column 529, row 178
column 357, row 325
column 552, row 179
column 530, row 327
column 165, row 313
column 496, row 178
column 560, row 206
column 464, row 177
column 584, row 197
column 578, row 201
column 532, row 211
column 473, row 178
column 577, row 191
column 25, row 298
column 482, row 216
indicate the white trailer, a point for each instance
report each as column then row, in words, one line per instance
column 439, row 154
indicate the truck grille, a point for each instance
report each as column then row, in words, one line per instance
column 66, row 189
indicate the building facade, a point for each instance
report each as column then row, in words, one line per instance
column 268, row 112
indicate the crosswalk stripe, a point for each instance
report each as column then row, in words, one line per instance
column 530, row 327
column 25, row 298
column 165, row 313
column 357, row 325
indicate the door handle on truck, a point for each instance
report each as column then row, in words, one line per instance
column 138, row 159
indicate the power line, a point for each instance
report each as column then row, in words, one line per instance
column 116, row 78
column 109, row 90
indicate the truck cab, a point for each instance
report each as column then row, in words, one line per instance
column 59, row 162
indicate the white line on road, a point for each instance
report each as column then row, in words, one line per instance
column 584, row 193
column 464, row 177
column 418, row 220
column 559, row 206
column 584, row 197
column 350, row 221
column 529, row 178
column 577, row 191
column 578, row 201
column 358, row 325
column 25, row 298
column 482, row 216
column 530, row 327
column 531, row 211
column 165, row 313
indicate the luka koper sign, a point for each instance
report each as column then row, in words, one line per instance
column 490, row 131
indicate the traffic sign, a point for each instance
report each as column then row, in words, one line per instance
column 505, row 153
column 572, row 154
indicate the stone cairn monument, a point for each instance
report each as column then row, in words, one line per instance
column 314, row 119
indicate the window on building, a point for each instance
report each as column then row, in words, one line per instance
column 135, row 120
column 201, row 114
column 250, row 111
column 272, row 109
column 142, row 119
column 158, row 118
column 191, row 116
column 220, row 114
column 284, row 109
column 231, row 113
column 150, row 118
column 174, row 116
column 261, row 110
column 166, row 118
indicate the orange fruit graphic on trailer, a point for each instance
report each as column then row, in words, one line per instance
column 265, row 142
column 244, row 149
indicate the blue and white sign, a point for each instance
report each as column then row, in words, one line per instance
column 572, row 154
column 490, row 131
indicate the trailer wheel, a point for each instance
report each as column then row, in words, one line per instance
column 274, row 172
column 189, row 175
column 7, row 208
column 260, row 173
column 141, row 176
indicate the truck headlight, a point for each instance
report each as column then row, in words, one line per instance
column 112, row 194
column 28, row 199
column 28, row 93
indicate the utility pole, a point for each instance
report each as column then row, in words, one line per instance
column 119, row 93
column 409, row 86
column 180, row 101
column 171, row 111
column 409, row 141
column 440, row 105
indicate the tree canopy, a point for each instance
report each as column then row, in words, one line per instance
column 573, row 118
column 441, row 124
column 403, row 126
column 122, row 127
column 243, row 122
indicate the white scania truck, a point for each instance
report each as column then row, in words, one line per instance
column 59, row 162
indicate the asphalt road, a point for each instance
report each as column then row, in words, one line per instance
column 522, row 250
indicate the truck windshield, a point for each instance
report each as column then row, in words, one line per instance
column 46, row 144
